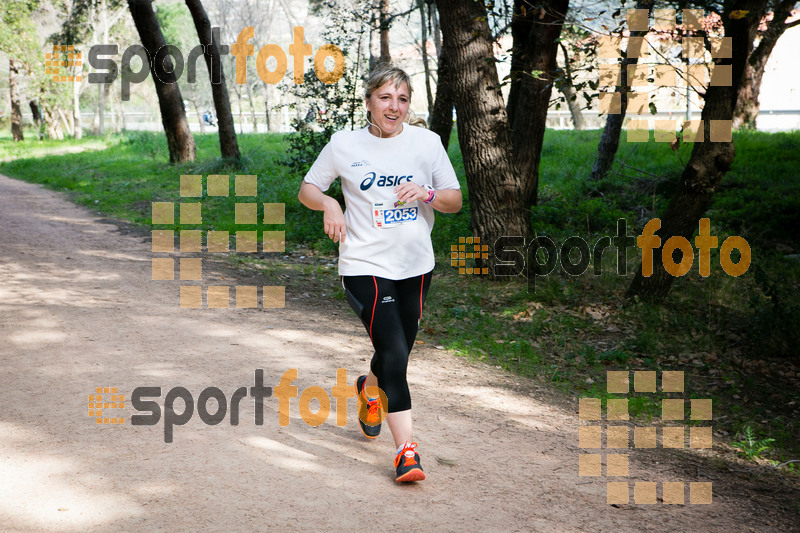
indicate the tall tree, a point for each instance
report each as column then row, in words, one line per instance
column 440, row 117
column 747, row 104
column 23, row 28
column 91, row 22
column 494, row 183
column 229, row 147
column 173, row 115
column 501, row 143
column 16, row 106
column 18, row 42
column 710, row 159
column 535, row 28
column 424, row 49
column 103, row 89
column 566, row 85
column 609, row 141
column 440, row 120
column 386, row 56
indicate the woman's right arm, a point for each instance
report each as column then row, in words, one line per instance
column 333, row 219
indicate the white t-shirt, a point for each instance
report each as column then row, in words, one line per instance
column 370, row 168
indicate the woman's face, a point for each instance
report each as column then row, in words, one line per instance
column 388, row 106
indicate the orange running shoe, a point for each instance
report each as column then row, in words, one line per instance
column 368, row 410
column 407, row 464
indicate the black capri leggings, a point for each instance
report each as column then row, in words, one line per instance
column 391, row 311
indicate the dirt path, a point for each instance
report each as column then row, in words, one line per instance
column 78, row 310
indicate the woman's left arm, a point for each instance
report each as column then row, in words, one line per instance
column 446, row 200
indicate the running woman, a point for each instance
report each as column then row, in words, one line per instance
column 393, row 177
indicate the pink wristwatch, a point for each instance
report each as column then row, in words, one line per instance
column 431, row 193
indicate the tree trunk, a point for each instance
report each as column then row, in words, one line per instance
column 64, row 121
column 199, row 115
column 101, row 109
column 102, row 90
column 239, row 105
column 574, row 107
column 229, row 146
column 252, row 107
column 566, row 86
column 112, row 107
column 173, row 116
column 118, row 113
column 535, row 33
column 267, row 118
column 51, row 123
column 37, row 115
column 354, row 77
column 709, row 160
column 747, row 105
column 96, row 116
column 386, row 56
column 441, row 117
column 424, row 27
column 76, row 109
column 16, row 107
column 98, row 125
column 609, row 142
column 433, row 15
column 497, row 207
column 373, row 36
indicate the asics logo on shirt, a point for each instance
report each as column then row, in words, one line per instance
column 382, row 181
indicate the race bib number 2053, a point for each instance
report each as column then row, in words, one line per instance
column 385, row 216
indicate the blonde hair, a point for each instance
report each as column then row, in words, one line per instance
column 386, row 73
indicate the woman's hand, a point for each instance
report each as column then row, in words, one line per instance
column 410, row 191
column 333, row 220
